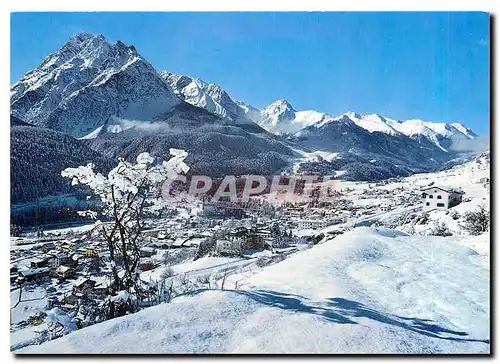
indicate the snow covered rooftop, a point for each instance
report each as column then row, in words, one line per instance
column 34, row 271
column 444, row 188
column 62, row 269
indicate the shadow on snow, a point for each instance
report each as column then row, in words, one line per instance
column 344, row 311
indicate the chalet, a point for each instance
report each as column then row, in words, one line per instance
column 66, row 247
column 48, row 246
column 68, row 298
column 162, row 235
column 244, row 239
column 293, row 211
column 102, row 285
column 441, row 197
column 67, row 307
column 87, row 251
column 34, row 273
column 228, row 247
column 91, row 252
column 76, row 241
column 147, row 252
column 58, row 259
column 146, row 264
column 76, row 258
column 82, row 285
column 237, row 234
column 39, row 262
column 64, row 272
column 160, row 245
column 485, row 181
column 312, row 223
column 264, row 232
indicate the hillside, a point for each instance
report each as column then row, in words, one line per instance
column 37, row 156
column 367, row 291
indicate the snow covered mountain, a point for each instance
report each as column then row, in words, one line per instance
column 116, row 103
column 76, row 89
column 88, row 81
column 250, row 112
column 109, row 96
column 281, row 118
column 205, row 95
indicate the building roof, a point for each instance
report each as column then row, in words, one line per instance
column 80, row 281
column 443, row 188
column 76, row 256
column 62, row 269
column 34, row 271
column 39, row 260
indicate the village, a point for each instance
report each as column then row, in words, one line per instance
column 198, row 246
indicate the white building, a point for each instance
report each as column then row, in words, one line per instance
column 441, row 197
column 312, row 224
column 224, row 246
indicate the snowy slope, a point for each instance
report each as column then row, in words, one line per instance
column 464, row 130
column 250, row 112
column 367, row 291
column 466, row 177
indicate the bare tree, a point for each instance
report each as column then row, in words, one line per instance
column 225, row 274
column 204, row 280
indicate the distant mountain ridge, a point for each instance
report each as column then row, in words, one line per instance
column 281, row 118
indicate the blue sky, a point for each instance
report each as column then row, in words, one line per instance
column 431, row 66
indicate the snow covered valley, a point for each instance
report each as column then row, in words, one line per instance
column 370, row 290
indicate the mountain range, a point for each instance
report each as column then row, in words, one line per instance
column 113, row 102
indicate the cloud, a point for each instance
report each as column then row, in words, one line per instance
column 483, row 42
column 477, row 145
column 119, row 124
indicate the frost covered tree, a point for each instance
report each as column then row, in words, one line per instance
column 126, row 195
column 59, row 323
column 441, row 229
column 477, row 222
column 88, row 308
